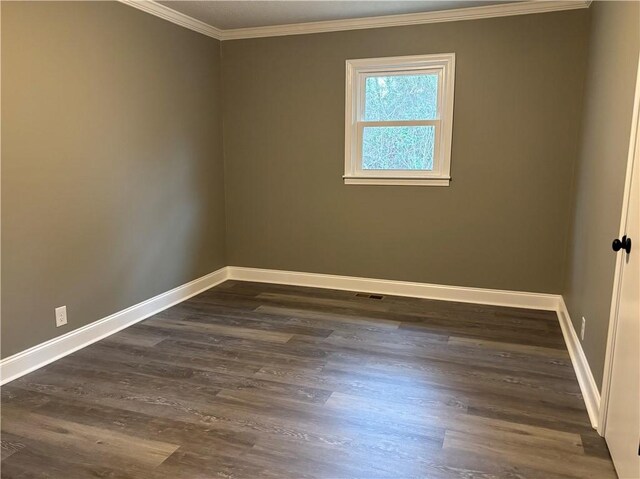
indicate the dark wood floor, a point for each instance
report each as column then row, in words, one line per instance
column 263, row 381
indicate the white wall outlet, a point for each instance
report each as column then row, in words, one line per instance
column 61, row 316
column 584, row 324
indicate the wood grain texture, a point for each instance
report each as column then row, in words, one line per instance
column 254, row 380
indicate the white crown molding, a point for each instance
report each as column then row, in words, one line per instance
column 470, row 13
column 173, row 16
column 588, row 386
column 38, row 356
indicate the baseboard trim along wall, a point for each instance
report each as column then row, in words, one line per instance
column 460, row 294
column 38, row 356
column 588, row 386
column 515, row 299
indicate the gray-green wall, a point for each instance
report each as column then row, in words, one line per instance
column 114, row 184
column 112, row 171
column 503, row 221
column 600, row 172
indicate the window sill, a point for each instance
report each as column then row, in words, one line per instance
column 401, row 181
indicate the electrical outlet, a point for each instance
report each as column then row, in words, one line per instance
column 61, row 316
column 584, row 324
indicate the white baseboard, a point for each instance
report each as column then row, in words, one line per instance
column 494, row 297
column 587, row 383
column 38, row 356
column 517, row 299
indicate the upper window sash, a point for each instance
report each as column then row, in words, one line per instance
column 361, row 103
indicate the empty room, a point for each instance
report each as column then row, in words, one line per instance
column 320, row 239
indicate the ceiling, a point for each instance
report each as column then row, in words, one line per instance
column 226, row 15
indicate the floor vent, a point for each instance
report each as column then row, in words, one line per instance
column 369, row 296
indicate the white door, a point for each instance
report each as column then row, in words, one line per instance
column 622, row 430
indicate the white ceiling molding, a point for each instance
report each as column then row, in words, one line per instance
column 178, row 18
column 470, row 13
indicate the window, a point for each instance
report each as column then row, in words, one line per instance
column 399, row 117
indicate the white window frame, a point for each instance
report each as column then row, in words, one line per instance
column 443, row 65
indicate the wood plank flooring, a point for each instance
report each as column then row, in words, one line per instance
column 256, row 381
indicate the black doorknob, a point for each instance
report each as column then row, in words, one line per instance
column 624, row 243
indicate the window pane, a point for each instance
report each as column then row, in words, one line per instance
column 398, row 148
column 401, row 97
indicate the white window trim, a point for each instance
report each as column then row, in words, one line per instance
column 357, row 71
